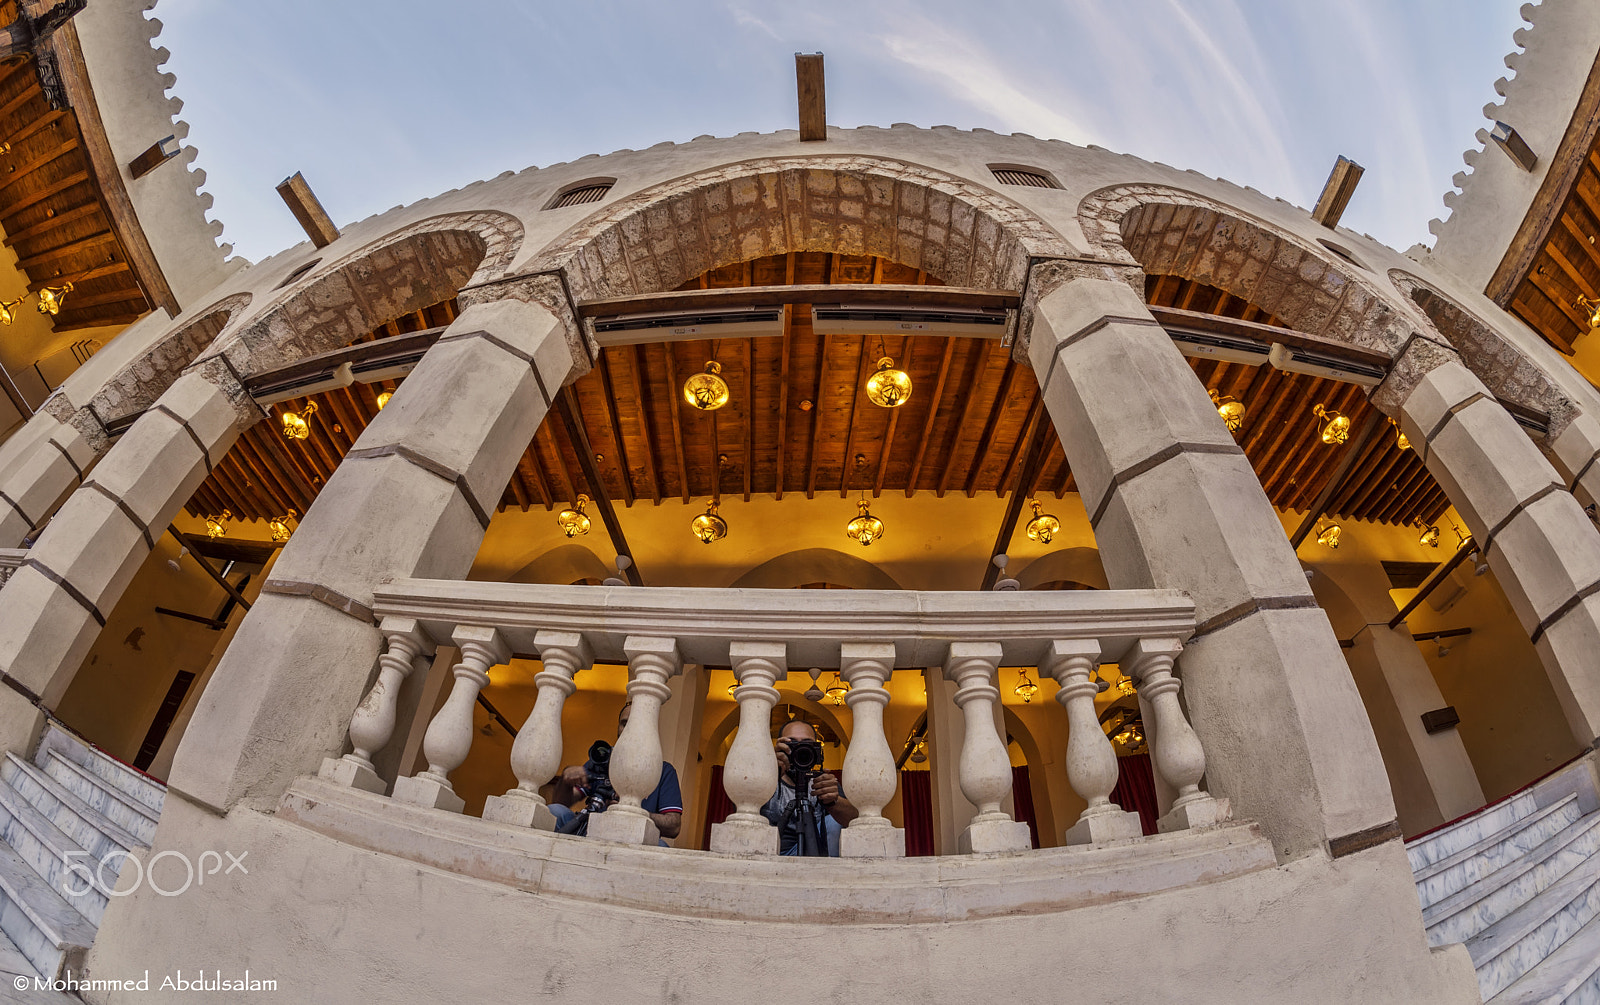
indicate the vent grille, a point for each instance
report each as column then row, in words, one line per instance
column 1017, row 176
column 581, row 196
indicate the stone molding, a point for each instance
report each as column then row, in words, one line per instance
column 1415, row 360
column 1046, row 275
column 138, row 385
column 545, row 289
column 429, row 465
column 1150, row 463
column 322, row 595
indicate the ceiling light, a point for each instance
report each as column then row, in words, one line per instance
column 706, row 391
column 6, row 314
column 1430, row 537
column 1400, row 438
column 1125, row 685
column 1591, row 308
column 708, row 526
column 1230, row 408
column 919, row 753
column 279, row 527
column 1026, row 688
column 51, row 296
column 1043, row 527
column 865, row 528
column 887, row 386
column 383, row 399
column 732, row 688
column 1329, row 537
column 574, row 521
column 295, row 426
column 214, row 525
column 837, row 690
column 1338, row 428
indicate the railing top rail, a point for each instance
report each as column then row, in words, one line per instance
column 10, row 558
column 812, row 623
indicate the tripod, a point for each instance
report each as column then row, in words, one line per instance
column 801, row 820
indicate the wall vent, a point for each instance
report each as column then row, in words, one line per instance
column 1007, row 174
column 582, row 194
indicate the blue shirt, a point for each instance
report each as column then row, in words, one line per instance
column 667, row 797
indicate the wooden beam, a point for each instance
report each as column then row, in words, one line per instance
column 1008, row 524
column 826, row 293
column 109, row 269
column 567, row 407
column 848, row 474
column 50, row 223
column 749, row 411
column 677, row 422
column 1353, row 452
column 978, row 368
column 216, row 577
column 308, row 212
column 812, row 94
column 54, row 188
column 933, row 414
column 614, row 420
column 107, row 170
column 906, row 349
column 980, row 455
column 1024, row 437
column 1199, row 321
column 783, row 385
column 60, row 150
column 112, row 321
column 153, row 156
column 1439, row 574
column 637, row 373
column 1336, row 192
column 69, row 249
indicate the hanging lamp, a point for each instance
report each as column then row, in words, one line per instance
column 888, row 387
column 294, row 425
column 7, row 316
column 708, row 526
column 51, row 296
column 574, row 521
column 1026, row 688
column 215, row 527
column 1591, row 308
column 1229, row 408
column 1430, row 536
column 1043, row 527
column 1337, row 429
column 865, row 528
column 706, row 391
column 383, row 398
column 1400, row 439
column 1329, row 536
column 837, row 690
column 279, row 527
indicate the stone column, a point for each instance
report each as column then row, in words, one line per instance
column 750, row 774
column 56, row 603
column 1175, row 504
column 536, row 754
column 1174, row 749
column 985, row 765
column 1545, row 553
column 44, row 462
column 411, row 499
column 372, row 726
column 449, row 738
column 636, row 759
column 1091, row 761
column 869, row 777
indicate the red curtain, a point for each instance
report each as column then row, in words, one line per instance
column 718, row 806
column 1136, row 789
column 1022, row 797
column 916, row 803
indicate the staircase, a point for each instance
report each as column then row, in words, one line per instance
column 70, row 805
column 1519, row 883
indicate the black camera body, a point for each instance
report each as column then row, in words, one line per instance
column 805, row 760
column 802, row 829
column 601, row 794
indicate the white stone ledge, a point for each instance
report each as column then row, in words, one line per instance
column 813, row 623
column 767, row 888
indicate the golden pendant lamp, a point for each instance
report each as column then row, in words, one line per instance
column 7, row 315
column 574, row 521
column 1400, row 439
column 1329, row 536
column 865, row 528
column 708, row 526
column 279, row 527
column 837, row 690
column 1430, row 536
column 294, row 425
column 1591, row 308
column 707, row 391
column 1229, row 408
column 215, row 527
column 1026, row 688
column 383, row 398
column 1337, row 429
column 888, row 386
column 1043, row 527
column 51, row 296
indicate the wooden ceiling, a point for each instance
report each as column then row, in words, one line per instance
column 798, row 419
column 56, row 214
column 1566, row 265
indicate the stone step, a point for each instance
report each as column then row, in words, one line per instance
column 1514, row 945
column 1566, row 975
column 52, row 853
column 48, row 931
column 1466, row 913
column 126, row 778
column 12, row 963
column 121, row 809
column 1447, row 841
column 1460, row 870
column 90, row 829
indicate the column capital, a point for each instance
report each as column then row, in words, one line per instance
column 568, row 647
column 774, row 654
column 1416, row 359
column 485, row 639
column 549, row 290
column 1144, row 652
column 409, row 629
column 966, row 657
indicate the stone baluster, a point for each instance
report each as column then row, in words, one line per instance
column 985, row 771
column 536, row 754
column 869, row 775
column 636, row 759
column 1174, row 747
column 750, row 775
column 449, row 736
column 1091, row 761
column 372, row 725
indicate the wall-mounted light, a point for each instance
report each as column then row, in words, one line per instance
column 1230, row 408
column 708, row 526
column 51, row 296
column 279, row 527
column 1329, row 536
column 574, row 521
column 706, row 391
column 1337, row 429
column 1043, row 527
column 294, row 425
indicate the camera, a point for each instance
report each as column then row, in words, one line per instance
column 805, row 758
column 601, row 794
column 801, row 830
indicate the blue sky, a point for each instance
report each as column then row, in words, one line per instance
column 383, row 102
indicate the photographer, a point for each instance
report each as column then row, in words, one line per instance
column 665, row 804
column 811, row 828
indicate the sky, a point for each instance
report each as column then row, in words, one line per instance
column 384, row 102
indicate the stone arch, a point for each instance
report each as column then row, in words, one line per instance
column 1076, row 565
column 1044, row 815
column 816, row 565
column 1170, row 231
column 562, row 565
column 137, row 385
column 718, row 737
column 953, row 228
column 430, row 261
column 1502, row 367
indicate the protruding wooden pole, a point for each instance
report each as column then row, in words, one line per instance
column 813, row 103
column 1337, row 192
column 302, row 202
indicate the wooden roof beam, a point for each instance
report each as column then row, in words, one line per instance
column 820, row 293
column 308, row 212
column 1353, row 452
column 812, row 95
column 567, row 408
column 1336, row 192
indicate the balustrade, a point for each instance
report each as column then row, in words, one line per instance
column 10, row 561
column 867, row 637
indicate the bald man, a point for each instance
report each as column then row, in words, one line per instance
column 828, row 803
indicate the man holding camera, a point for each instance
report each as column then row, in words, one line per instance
column 580, row 782
column 808, row 809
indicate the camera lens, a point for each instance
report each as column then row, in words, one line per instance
column 600, row 754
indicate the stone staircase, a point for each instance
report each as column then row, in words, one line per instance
column 70, row 805
column 1519, row 883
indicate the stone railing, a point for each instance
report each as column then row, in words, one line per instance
column 10, row 561
column 865, row 635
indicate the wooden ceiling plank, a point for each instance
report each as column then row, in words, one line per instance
column 908, row 351
column 43, row 122
column 823, row 343
column 36, row 197
column 971, row 400
column 1355, row 450
column 247, row 500
column 783, row 382
column 1312, row 473
column 1559, row 297
column 1378, row 484
column 277, row 485
column 99, row 272
column 56, row 152
column 933, row 414
column 97, row 240
column 827, row 292
column 282, row 466
column 33, row 90
column 1418, row 481
column 1409, row 511
column 849, row 477
column 1371, row 456
column 748, row 346
column 1027, row 430
column 636, row 370
column 980, row 454
column 50, row 223
column 677, row 422
column 614, row 427
column 556, row 475
column 1008, row 523
column 535, row 471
